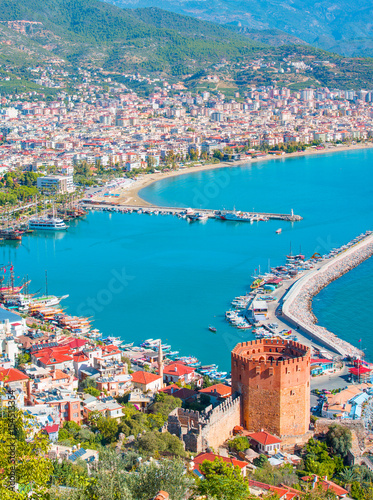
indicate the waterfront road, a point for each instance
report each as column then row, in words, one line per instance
column 274, row 316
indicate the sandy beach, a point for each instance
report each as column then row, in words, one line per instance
column 130, row 196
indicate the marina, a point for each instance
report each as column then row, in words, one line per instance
column 47, row 319
column 48, row 220
column 297, row 283
column 297, row 304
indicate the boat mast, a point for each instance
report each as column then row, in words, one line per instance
column 11, row 277
column 46, row 283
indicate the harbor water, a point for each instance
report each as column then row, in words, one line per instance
column 142, row 276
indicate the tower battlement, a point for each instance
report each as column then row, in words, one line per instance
column 273, row 378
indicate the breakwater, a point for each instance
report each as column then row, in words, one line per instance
column 297, row 304
column 210, row 213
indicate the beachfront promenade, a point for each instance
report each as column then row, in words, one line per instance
column 296, row 307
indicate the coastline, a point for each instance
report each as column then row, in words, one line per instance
column 131, row 196
column 297, row 305
column 321, row 334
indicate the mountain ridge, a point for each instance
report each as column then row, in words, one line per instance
column 151, row 41
column 326, row 24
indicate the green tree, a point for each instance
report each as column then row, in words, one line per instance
column 164, row 404
column 193, row 154
column 276, row 475
column 347, row 476
column 23, row 358
column 260, row 461
column 150, row 161
column 167, row 475
column 318, row 461
column 108, row 428
column 87, row 382
column 222, row 481
column 110, row 480
column 92, row 391
column 319, row 494
column 239, row 443
column 339, row 439
column 218, row 154
column 32, row 468
column 153, row 443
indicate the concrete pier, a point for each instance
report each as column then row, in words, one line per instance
column 212, row 214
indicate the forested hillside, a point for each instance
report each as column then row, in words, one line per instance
column 341, row 26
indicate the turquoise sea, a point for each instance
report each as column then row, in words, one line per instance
column 142, row 276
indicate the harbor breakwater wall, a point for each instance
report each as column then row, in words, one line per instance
column 297, row 304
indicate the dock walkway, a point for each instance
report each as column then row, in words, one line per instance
column 212, row 214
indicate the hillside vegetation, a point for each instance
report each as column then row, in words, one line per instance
column 145, row 39
column 95, row 34
column 341, row 26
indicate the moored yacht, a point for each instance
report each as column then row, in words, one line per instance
column 26, row 303
column 236, row 217
column 47, row 224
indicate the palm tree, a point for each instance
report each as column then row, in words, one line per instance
column 348, row 475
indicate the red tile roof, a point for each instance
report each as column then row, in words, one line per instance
column 53, row 358
column 51, row 350
column 12, row 375
column 326, row 485
column 170, row 389
column 51, row 429
column 184, row 393
column 201, row 457
column 76, row 343
column 144, row 378
column 221, row 390
column 80, row 357
column 283, row 492
column 108, row 350
column 178, row 369
column 59, row 375
column 264, row 438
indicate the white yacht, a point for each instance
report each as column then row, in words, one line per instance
column 47, row 224
column 25, row 303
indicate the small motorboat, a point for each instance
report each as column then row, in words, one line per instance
column 279, row 231
column 212, row 329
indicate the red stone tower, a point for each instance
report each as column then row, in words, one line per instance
column 273, row 378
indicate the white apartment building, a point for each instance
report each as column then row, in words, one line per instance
column 56, row 184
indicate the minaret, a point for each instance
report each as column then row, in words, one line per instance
column 160, row 361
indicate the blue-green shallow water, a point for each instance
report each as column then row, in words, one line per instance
column 144, row 276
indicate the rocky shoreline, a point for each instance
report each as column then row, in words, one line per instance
column 298, row 305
